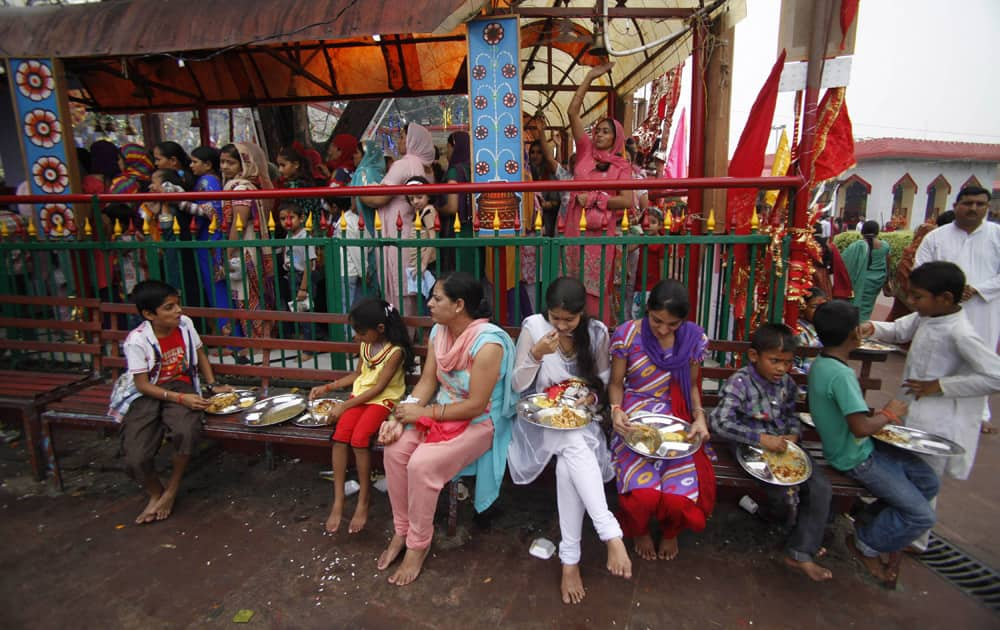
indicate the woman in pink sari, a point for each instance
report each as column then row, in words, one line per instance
column 416, row 148
column 598, row 156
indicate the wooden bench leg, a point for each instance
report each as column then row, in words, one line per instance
column 50, row 455
column 452, row 508
column 269, row 456
column 32, row 440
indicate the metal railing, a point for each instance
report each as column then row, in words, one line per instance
column 517, row 263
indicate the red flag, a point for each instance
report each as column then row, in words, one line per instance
column 833, row 151
column 748, row 161
column 848, row 9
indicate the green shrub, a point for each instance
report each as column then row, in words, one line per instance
column 898, row 241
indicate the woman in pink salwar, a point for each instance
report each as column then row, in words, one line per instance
column 598, row 156
column 416, row 148
column 457, row 421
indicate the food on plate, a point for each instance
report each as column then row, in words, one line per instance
column 673, row 436
column 892, row 436
column 787, row 467
column 544, row 403
column 246, row 402
column 220, row 401
column 644, row 438
column 323, row 407
column 566, row 418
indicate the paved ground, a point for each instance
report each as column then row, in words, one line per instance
column 243, row 537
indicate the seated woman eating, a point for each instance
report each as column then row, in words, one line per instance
column 561, row 344
column 457, row 420
column 655, row 368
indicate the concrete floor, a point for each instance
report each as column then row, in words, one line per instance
column 243, row 537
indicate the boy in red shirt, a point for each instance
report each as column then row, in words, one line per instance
column 161, row 393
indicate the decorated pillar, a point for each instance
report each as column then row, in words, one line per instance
column 46, row 134
column 497, row 152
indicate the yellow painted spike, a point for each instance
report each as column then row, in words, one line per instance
column 583, row 220
column 213, row 227
column 625, row 221
column 270, row 223
column 32, row 230
column 343, row 224
column 4, row 233
column 239, row 225
column 668, row 220
column 118, row 229
column 177, row 227
column 710, row 225
column 496, row 219
column 538, row 221
column 309, row 223
column 86, row 227
column 754, row 221
column 457, row 224
column 418, row 225
column 145, row 225
column 378, row 222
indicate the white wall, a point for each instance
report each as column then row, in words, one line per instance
column 882, row 174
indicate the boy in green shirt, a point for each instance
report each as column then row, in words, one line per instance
column 901, row 481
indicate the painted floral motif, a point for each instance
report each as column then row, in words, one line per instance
column 482, row 132
column 493, row 33
column 34, row 80
column 510, row 131
column 480, row 102
column 509, row 100
column 482, row 168
column 479, row 72
column 57, row 219
column 50, row 174
column 511, row 166
column 42, row 128
column 508, row 70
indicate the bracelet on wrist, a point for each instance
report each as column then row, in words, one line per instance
column 890, row 415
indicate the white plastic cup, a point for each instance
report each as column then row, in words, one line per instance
column 542, row 548
column 748, row 504
column 381, row 485
column 351, row 487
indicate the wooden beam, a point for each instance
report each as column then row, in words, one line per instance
column 649, row 13
column 717, row 111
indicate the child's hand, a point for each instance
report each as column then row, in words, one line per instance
column 774, row 443
column 919, row 389
column 898, row 407
column 794, row 439
column 335, row 413
column 546, row 345
column 193, row 401
column 866, row 330
column 620, row 421
column 317, row 391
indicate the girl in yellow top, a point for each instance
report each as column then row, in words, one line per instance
column 378, row 385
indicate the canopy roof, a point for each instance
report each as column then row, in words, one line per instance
column 149, row 55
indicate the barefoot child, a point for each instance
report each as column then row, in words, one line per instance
column 561, row 344
column 378, row 385
column 901, row 481
column 949, row 369
column 757, row 407
column 655, row 368
column 164, row 355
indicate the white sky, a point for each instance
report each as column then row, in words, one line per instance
column 922, row 69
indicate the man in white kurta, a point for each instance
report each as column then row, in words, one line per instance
column 973, row 244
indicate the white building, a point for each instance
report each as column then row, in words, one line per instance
column 910, row 181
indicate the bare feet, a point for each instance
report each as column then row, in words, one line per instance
column 618, row 561
column 891, row 567
column 874, row 565
column 391, row 552
column 668, row 549
column 413, row 562
column 644, row 547
column 359, row 519
column 165, row 505
column 333, row 521
column 571, row 584
column 148, row 514
column 815, row 572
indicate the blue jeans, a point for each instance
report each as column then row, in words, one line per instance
column 903, row 484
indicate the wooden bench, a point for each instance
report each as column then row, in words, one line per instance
column 37, row 336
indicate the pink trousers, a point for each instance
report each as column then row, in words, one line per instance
column 416, row 472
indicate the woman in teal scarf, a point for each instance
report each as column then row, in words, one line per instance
column 369, row 172
column 867, row 263
column 457, row 421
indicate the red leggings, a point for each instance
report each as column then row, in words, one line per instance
column 672, row 511
column 358, row 424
